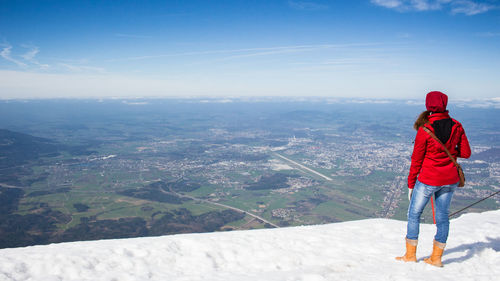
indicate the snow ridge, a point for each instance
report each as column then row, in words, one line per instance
column 356, row 250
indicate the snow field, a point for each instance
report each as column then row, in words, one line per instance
column 357, row 250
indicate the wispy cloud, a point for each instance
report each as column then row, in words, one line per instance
column 303, row 48
column 470, row 8
column 307, row 6
column 479, row 103
column 354, row 64
column 391, row 4
column 30, row 55
column 279, row 50
column 466, row 7
column 28, row 58
column 412, row 5
column 6, row 54
column 249, row 52
column 82, row 68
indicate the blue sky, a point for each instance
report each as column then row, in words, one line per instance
column 365, row 48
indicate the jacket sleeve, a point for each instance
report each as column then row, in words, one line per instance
column 417, row 157
column 463, row 146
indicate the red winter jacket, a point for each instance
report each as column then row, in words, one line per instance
column 430, row 162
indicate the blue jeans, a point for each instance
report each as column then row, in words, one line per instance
column 420, row 196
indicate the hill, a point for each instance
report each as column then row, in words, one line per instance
column 17, row 148
column 356, row 250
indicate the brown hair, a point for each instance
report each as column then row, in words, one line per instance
column 421, row 120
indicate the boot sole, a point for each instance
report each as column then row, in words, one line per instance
column 427, row 261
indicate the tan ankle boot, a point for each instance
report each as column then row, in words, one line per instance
column 437, row 253
column 411, row 251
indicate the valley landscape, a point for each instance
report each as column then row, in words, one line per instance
column 78, row 169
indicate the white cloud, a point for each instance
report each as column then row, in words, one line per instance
column 6, row 54
column 466, row 7
column 307, row 6
column 135, row 103
column 30, row 55
column 426, row 5
column 82, row 68
column 412, row 5
column 391, row 4
column 470, row 8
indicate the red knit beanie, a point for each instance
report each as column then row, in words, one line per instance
column 436, row 101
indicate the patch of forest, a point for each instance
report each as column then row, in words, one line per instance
column 153, row 192
column 182, row 221
column 31, row 229
column 81, row 207
column 9, row 199
column 47, row 192
column 178, row 186
column 104, row 229
column 161, row 191
column 24, row 230
column 273, row 181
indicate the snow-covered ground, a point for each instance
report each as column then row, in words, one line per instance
column 357, row 250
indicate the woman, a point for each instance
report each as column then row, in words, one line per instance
column 437, row 175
